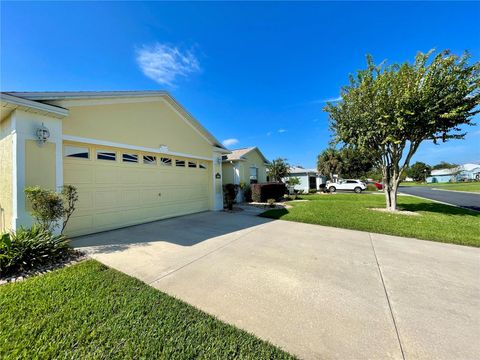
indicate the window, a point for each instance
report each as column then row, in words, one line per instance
column 149, row 159
column 351, row 182
column 106, row 155
column 192, row 164
column 76, row 152
column 202, row 166
column 253, row 175
column 131, row 158
column 180, row 163
column 165, row 161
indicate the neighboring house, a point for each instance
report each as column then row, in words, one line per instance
column 463, row 172
column 134, row 156
column 244, row 166
column 310, row 179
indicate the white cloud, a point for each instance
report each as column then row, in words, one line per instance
column 230, row 142
column 282, row 130
column 164, row 64
column 269, row 133
column 323, row 101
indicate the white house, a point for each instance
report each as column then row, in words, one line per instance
column 309, row 178
column 465, row 172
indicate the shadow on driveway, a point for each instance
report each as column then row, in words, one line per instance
column 185, row 230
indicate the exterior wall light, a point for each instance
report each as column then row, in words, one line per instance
column 42, row 134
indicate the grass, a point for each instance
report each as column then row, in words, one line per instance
column 459, row 186
column 91, row 311
column 437, row 222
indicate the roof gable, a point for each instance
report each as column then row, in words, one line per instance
column 240, row 154
column 53, row 98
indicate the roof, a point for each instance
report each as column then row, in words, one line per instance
column 42, row 98
column 239, row 154
column 301, row 170
column 453, row 171
column 11, row 102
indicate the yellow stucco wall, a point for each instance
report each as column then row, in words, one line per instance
column 253, row 158
column 146, row 124
column 40, row 164
column 227, row 173
column 6, row 176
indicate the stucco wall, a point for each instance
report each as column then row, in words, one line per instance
column 253, row 158
column 227, row 173
column 147, row 124
column 6, row 172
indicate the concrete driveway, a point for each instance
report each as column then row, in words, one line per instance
column 317, row 292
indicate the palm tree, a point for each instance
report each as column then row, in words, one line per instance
column 278, row 169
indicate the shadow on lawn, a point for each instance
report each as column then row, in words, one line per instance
column 438, row 208
column 274, row 213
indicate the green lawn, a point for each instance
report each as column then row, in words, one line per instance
column 460, row 186
column 436, row 222
column 91, row 311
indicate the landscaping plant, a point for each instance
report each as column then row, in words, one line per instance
column 31, row 248
column 230, row 193
column 389, row 111
column 49, row 208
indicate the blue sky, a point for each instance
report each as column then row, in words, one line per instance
column 252, row 73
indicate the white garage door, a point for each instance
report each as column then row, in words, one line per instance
column 120, row 187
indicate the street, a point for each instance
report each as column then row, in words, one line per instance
column 466, row 200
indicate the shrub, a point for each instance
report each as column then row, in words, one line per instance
column 262, row 192
column 271, row 202
column 230, row 193
column 50, row 207
column 312, row 191
column 371, row 187
column 30, row 248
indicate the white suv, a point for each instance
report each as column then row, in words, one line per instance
column 348, row 184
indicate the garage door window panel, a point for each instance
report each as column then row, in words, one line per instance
column 149, row 159
column 79, row 152
column 106, row 155
column 130, row 158
column 192, row 164
column 180, row 163
column 164, row 161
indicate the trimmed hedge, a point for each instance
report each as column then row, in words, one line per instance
column 263, row 192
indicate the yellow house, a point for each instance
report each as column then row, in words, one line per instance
column 246, row 166
column 134, row 156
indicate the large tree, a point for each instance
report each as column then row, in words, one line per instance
column 278, row 169
column 444, row 165
column 418, row 171
column 389, row 110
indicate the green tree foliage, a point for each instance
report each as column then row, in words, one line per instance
column 49, row 208
column 329, row 163
column 347, row 162
column 389, row 110
column 278, row 169
column 418, row 171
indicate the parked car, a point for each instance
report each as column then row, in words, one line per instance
column 347, row 185
column 378, row 185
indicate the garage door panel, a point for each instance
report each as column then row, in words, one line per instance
column 78, row 173
column 113, row 194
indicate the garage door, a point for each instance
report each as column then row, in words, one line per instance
column 120, row 187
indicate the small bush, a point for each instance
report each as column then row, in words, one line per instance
column 271, row 202
column 230, row 193
column 312, row 191
column 265, row 191
column 371, row 187
column 49, row 208
column 28, row 249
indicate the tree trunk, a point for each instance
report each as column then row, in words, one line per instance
column 390, row 184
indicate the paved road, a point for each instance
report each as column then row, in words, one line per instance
column 462, row 199
column 317, row 292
